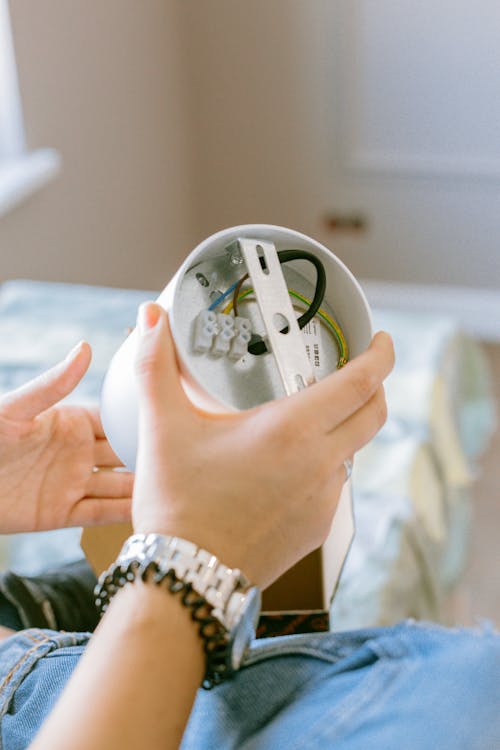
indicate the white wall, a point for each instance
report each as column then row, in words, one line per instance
column 276, row 88
column 102, row 82
column 178, row 118
column 257, row 110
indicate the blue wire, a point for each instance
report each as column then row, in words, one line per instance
column 223, row 296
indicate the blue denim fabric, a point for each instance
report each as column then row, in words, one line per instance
column 408, row 687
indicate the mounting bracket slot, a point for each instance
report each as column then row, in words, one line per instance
column 277, row 313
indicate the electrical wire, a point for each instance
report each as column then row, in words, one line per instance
column 237, row 292
column 222, row 297
column 329, row 322
column 286, row 256
column 258, row 346
column 333, row 326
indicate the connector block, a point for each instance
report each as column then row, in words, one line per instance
column 222, row 343
column 222, row 334
column 239, row 344
column 204, row 330
column 242, row 325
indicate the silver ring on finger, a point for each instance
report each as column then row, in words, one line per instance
column 348, row 464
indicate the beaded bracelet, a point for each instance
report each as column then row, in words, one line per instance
column 214, row 635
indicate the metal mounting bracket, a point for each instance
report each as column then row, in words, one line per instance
column 277, row 313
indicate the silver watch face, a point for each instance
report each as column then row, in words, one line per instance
column 244, row 631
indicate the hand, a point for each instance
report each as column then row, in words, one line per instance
column 48, row 457
column 257, row 488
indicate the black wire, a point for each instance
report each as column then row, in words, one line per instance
column 319, row 293
column 258, row 346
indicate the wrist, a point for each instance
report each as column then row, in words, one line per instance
column 234, row 553
column 144, row 611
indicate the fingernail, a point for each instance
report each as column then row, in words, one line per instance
column 73, row 354
column 148, row 316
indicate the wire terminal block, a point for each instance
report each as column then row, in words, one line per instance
column 205, row 330
column 239, row 344
column 226, row 332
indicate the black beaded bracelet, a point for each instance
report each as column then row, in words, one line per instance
column 213, row 633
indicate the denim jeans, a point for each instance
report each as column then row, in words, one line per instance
column 408, row 687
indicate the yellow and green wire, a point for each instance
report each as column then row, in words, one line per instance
column 330, row 323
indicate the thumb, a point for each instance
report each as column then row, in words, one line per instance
column 47, row 389
column 157, row 373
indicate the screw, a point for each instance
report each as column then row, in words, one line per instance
column 235, row 257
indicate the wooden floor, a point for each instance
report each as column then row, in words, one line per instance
column 481, row 591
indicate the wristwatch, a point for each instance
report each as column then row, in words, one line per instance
column 234, row 603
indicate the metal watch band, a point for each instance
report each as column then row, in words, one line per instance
column 214, row 593
column 221, row 587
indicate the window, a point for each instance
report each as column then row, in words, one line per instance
column 11, row 123
column 21, row 173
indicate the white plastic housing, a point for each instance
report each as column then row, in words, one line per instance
column 119, row 394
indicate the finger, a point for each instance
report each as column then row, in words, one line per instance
column 104, row 455
column 48, row 388
column 356, row 431
column 109, row 483
column 98, row 511
column 345, row 391
column 157, row 373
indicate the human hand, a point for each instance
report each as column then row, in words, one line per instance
column 49, row 455
column 257, row 488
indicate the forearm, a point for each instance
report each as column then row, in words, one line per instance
column 137, row 681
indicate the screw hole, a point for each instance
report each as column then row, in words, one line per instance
column 202, row 279
column 280, row 323
column 262, row 259
column 301, row 384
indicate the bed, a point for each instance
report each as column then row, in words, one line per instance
column 411, row 485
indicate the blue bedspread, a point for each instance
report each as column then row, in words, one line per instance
column 411, row 484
